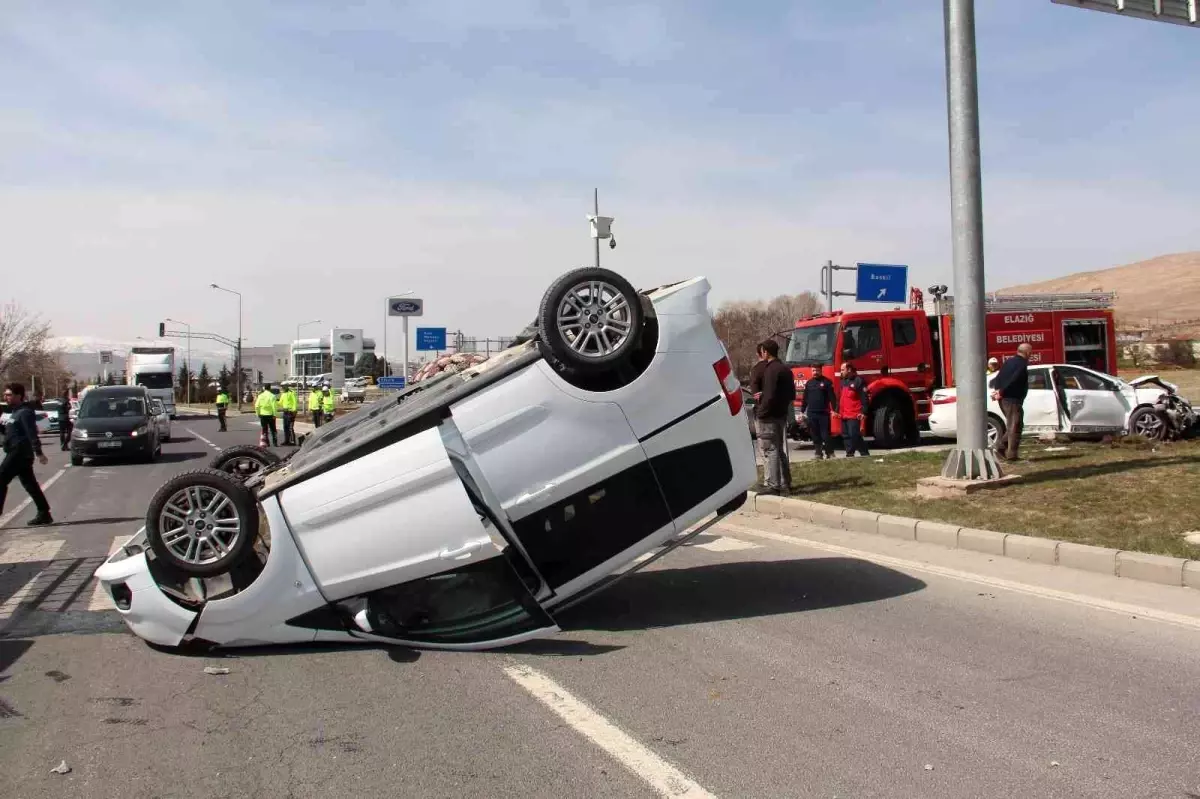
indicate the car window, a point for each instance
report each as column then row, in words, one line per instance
column 1079, row 380
column 1039, row 380
column 862, row 338
column 904, row 332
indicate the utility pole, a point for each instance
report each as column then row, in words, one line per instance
column 971, row 459
column 596, row 211
column 601, row 226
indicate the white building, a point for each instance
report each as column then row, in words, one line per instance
column 314, row 356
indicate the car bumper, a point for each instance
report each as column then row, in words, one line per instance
column 127, row 582
column 942, row 427
column 111, row 447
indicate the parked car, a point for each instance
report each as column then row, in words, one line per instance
column 51, row 407
column 115, row 422
column 1071, row 400
column 354, row 390
column 468, row 510
column 42, row 419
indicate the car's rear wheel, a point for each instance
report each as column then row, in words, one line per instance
column 1147, row 423
column 243, row 461
column 591, row 320
column 202, row 523
column 76, row 459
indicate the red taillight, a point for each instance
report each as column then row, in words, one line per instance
column 730, row 386
column 945, row 400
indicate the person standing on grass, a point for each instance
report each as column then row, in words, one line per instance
column 21, row 447
column 266, row 406
column 818, row 404
column 853, row 402
column 774, row 390
column 1009, row 387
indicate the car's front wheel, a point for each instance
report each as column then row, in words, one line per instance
column 591, row 320
column 995, row 430
column 1147, row 423
column 202, row 523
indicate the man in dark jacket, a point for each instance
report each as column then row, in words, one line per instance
column 21, row 446
column 64, row 421
column 774, row 391
column 818, row 403
column 1009, row 387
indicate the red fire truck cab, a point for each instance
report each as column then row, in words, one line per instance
column 905, row 354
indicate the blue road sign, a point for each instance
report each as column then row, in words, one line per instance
column 431, row 339
column 391, row 382
column 882, row 283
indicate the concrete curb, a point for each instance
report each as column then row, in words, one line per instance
column 1082, row 557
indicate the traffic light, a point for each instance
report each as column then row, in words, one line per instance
column 162, row 329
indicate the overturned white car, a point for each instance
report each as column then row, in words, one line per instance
column 465, row 512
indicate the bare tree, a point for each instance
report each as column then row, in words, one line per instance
column 22, row 335
column 742, row 325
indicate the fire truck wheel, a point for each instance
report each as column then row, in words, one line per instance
column 890, row 425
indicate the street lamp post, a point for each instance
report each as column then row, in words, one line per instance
column 189, row 356
column 238, row 357
column 304, row 374
column 387, row 311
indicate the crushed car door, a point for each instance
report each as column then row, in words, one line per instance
column 1092, row 402
column 406, row 549
column 1042, row 413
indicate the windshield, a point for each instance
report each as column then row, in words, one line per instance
column 114, row 407
column 812, row 344
column 154, row 380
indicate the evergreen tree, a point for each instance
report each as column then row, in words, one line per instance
column 203, row 379
column 225, row 377
column 111, row 380
column 182, row 384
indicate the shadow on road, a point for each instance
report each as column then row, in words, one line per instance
column 396, row 654
column 101, row 520
column 741, row 590
column 180, row 440
column 180, row 457
column 10, row 652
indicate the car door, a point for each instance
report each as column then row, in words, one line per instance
column 405, row 541
column 1093, row 403
column 1042, row 410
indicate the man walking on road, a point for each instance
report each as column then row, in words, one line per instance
column 21, row 446
column 289, row 404
column 222, row 408
column 852, row 408
column 818, row 403
column 314, row 406
column 1009, row 387
column 64, row 421
column 774, row 390
column 266, row 407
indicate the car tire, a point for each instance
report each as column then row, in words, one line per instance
column 243, row 461
column 76, row 459
column 889, row 428
column 1148, row 424
column 995, row 430
column 602, row 326
column 192, row 509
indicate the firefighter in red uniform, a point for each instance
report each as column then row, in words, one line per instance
column 853, row 401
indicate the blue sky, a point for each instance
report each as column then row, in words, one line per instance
column 319, row 156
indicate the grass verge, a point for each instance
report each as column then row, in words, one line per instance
column 1129, row 495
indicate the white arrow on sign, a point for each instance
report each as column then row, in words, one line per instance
column 881, row 293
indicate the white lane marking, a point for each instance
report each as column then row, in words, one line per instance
column 99, row 599
column 32, row 552
column 665, row 779
column 1165, row 616
column 12, row 514
column 726, row 544
column 202, row 438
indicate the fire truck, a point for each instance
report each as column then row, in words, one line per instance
column 906, row 353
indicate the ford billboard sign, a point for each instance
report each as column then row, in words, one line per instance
column 405, row 306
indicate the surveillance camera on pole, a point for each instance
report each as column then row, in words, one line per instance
column 601, row 227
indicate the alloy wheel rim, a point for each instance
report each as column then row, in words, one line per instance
column 594, row 319
column 199, row 525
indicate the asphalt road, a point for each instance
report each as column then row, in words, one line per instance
column 765, row 659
